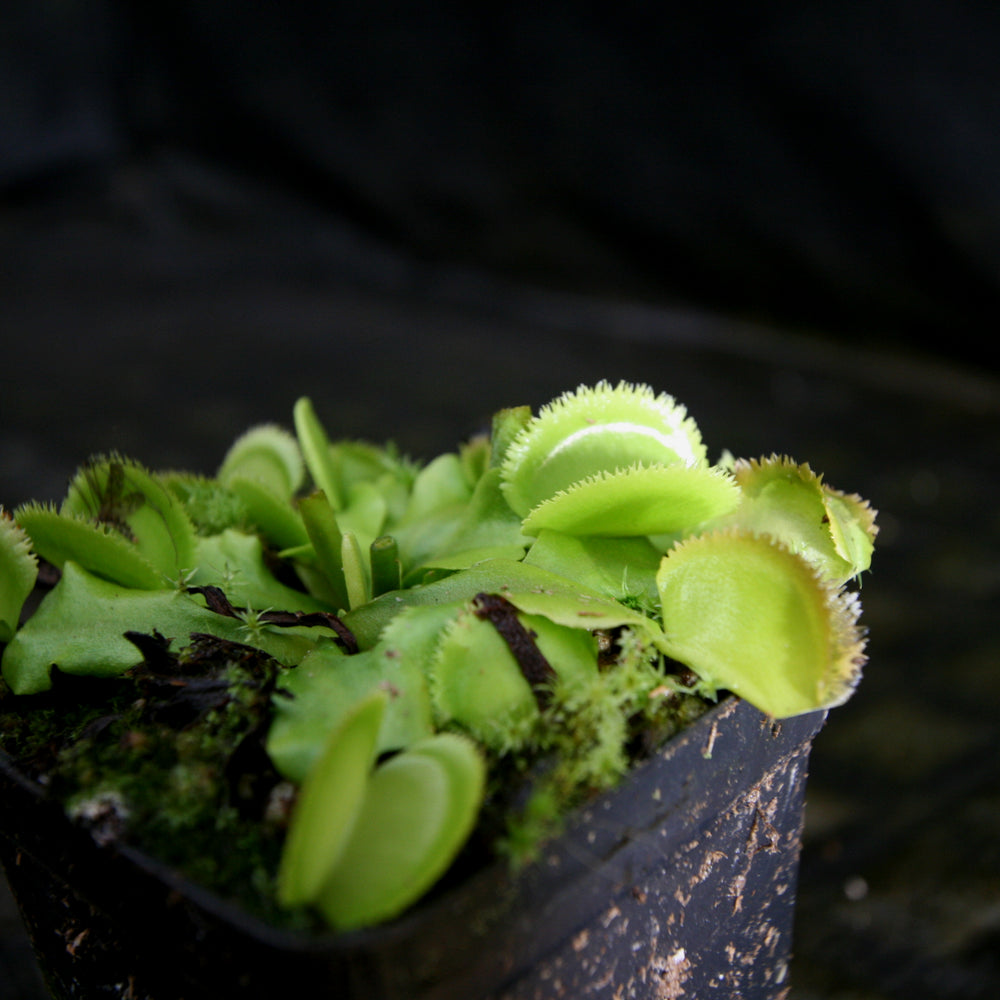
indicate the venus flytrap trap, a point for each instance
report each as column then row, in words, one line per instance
column 18, row 572
column 417, row 811
column 613, row 462
column 748, row 615
column 446, row 656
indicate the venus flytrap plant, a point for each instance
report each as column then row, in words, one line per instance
column 484, row 639
column 325, row 686
column 613, row 462
column 356, row 570
column 237, row 562
column 418, row 810
column 749, row 615
column 522, row 656
column 82, row 625
column 790, row 503
column 386, row 568
column 322, row 566
column 121, row 494
column 622, row 568
column 328, row 805
column 60, row 538
column 264, row 470
column 588, row 432
column 268, row 455
column 320, row 457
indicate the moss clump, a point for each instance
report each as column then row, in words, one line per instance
column 585, row 740
column 169, row 758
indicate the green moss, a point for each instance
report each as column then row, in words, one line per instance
column 169, row 763
column 585, row 740
column 211, row 506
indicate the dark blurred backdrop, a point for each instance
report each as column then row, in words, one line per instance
column 786, row 214
column 822, row 164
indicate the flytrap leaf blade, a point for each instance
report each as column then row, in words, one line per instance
column 329, row 804
column 750, row 616
column 419, row 809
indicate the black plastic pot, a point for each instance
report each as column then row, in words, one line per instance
column 681, row 882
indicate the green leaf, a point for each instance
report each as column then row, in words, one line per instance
column 386, row 571
column 328, row 550
column 640, row 500
column 80, row 624
column 476, row 682
column 360, row 466
column 486, row 521
column 327, row 685
column 364, row 513
column 18, row 571
column 329, row 804
column 234, row 562
column 411, row 638
column 530, row 588
column 507, row 425
column 466, row 772
column 417, row 813
column 267, row 455
column 750, row 616
column 361, row 461
column 61, row 538
column 622, row 568
column 475, row 458
column 277, row 520
column 356, row 569
column 80, row 628
column 441, row 566
column 791, row 503
column 441, row 484
column 319, row 458
column 852, row 527
column 437, row 504
column 572, row 651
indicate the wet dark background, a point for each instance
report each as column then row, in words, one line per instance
column 787, row 217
